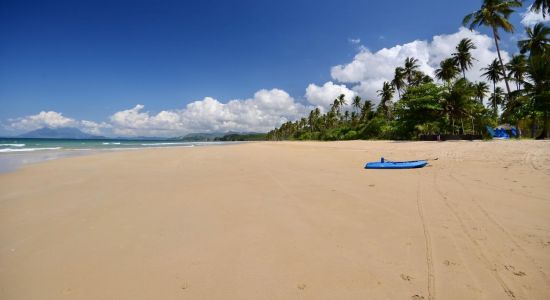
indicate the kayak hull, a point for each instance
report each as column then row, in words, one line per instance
column 396, row 164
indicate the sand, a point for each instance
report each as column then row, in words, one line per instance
column 286, row 220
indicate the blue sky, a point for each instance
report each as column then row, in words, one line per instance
column 88, row 60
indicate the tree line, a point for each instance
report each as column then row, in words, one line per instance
column 453, row 104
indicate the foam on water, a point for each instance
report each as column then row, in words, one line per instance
column 13, row 145
column 3, row 150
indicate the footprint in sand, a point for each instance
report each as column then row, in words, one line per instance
column 184, row 286
column 302, row 286
column 67, row 291
column 372, row 185
column 417, row 297
column 520, row 273
column 449, row 263
column 406, row 277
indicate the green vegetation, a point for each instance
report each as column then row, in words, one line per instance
column 456, row 106
column 242, row 137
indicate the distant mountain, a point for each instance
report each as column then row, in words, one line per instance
column 59, row 133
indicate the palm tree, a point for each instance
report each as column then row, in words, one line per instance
column 335, row 107
column 366, row 111
column 447, row 70
column 411, row 67
column 495, row 100
column 398, row 80
column 537, row 88
column 543, row 5
column 457, row 101
column 356, row 103
column 517, row 67
column 494, row 14
column 462, row 56
column 386, row 94
column 537, row 40
column 481, row 89
column 493, row 73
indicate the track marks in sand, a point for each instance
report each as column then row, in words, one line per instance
column 428, row 244
column 501, row 228
column 478, row 249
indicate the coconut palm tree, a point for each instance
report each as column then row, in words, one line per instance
column 537, row 88
column 366, row 111
column 543, row 5
column 481, row 89
column 494, row 14
column 386, row 94
column 356, row 103
column 411, row 67
column 447, row 71
column 517, row 67
column 462, row 56
column 537, row 42
column 493, row 73
column 457, row 102
column 496, row 99
column 398, row 81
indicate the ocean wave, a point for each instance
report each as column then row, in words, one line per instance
column 27, row 149
column 112, row 143
column 164, row 144
column 13, row 145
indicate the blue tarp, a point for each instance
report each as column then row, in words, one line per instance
column 500, row 133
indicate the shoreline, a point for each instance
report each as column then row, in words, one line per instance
column 11, row 161
column 281, row 220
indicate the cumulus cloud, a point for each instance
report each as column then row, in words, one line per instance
column 266, row 110
column 43, row 119
column 261, row 113
column 53, row 119
column 369, row 70
column 323, row 96
column 529, row 18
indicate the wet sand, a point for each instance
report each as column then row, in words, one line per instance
column 287, row 220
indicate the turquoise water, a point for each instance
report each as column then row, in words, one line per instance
column 8, row 145
column 15, row 152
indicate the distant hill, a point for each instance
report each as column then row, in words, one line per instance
column 222, row 136
column 200, row 137
column 59, row 133
column 242, row 137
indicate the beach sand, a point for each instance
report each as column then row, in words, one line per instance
column 287, row 220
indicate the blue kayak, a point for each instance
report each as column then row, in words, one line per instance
column 384, row 164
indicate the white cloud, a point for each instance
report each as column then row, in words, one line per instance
column 323, row 96
column 53, row 119
column 93, row 127
column 369, row 70
column 266, row 110
column 529, row 18
column 43, row 119
column 356, row 41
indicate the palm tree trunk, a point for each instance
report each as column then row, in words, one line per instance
column 533, row 125
column 500, row 59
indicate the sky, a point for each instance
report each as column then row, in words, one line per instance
column 168, row 68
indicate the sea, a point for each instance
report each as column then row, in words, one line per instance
column 15, row 152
